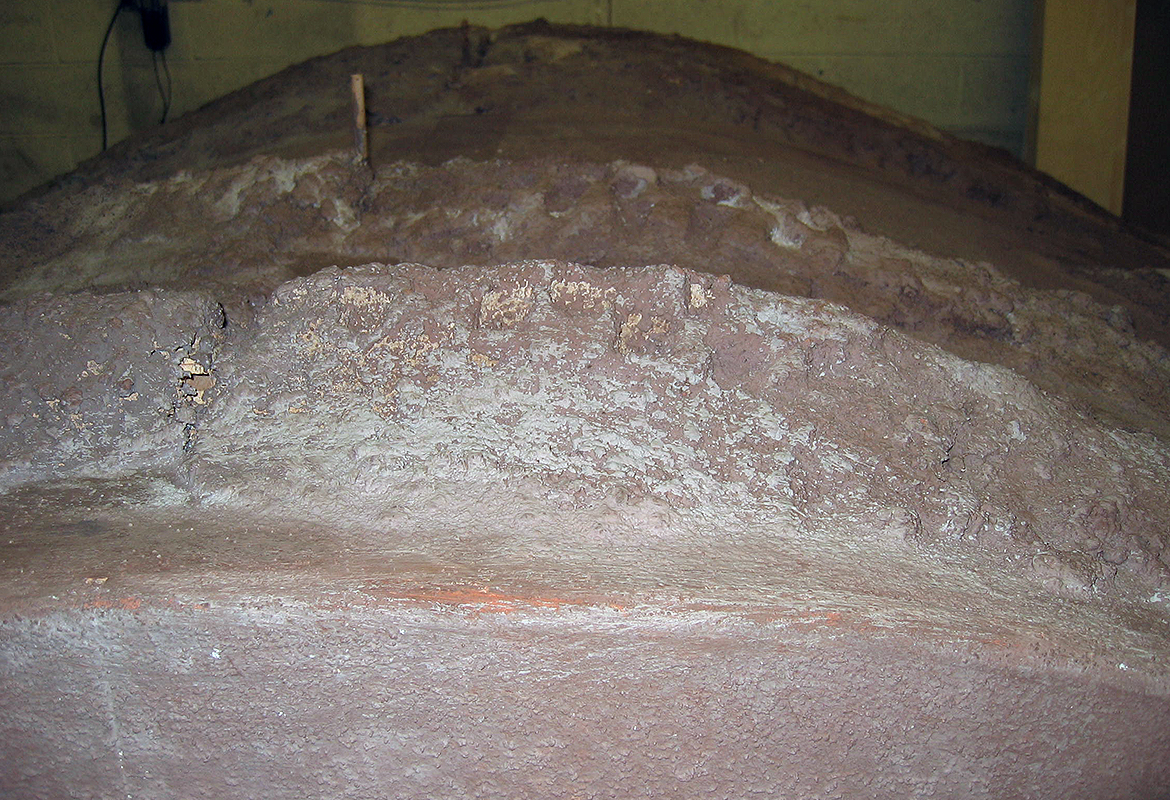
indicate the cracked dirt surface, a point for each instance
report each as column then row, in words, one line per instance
column 700, row 440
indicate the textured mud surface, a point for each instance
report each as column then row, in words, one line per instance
column 724, row 435
column 274, row 219
column 554, row 703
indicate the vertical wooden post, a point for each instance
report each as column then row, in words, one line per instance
column 361, row 137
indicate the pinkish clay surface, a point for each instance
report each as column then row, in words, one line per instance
column 739, row 440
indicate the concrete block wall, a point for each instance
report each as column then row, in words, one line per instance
column 960, row 64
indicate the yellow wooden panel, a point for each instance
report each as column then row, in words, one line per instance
column 1083, row 116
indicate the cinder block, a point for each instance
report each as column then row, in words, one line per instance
column 288, row 31
column 292, row 31
column 376, row 25
column 963, row 27
column 1011, row 140
column 28, row 161
column 995, row 27
column 27, row 32
column 834, row 26
column 995, row 91
column 705, row 20
column 133, row 102
column 83, row 146
column 79, row 25
column 46, row 98
column 196, row 83
column 921, row 86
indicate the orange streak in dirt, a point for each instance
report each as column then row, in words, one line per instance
column 485, row 600
column 482, row 599
column 120, row 603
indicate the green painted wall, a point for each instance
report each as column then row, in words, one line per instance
column 960, row 64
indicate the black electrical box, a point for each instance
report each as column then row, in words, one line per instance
column 156, row 24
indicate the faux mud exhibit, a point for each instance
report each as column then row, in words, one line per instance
column 737, row 439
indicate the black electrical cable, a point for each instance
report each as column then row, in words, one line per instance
column 168, row 92
column 101, row 62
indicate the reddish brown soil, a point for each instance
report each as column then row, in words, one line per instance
column 648, row 419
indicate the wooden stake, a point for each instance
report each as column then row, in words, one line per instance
column 361, row 137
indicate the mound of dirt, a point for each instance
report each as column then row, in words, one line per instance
column 636, row 396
